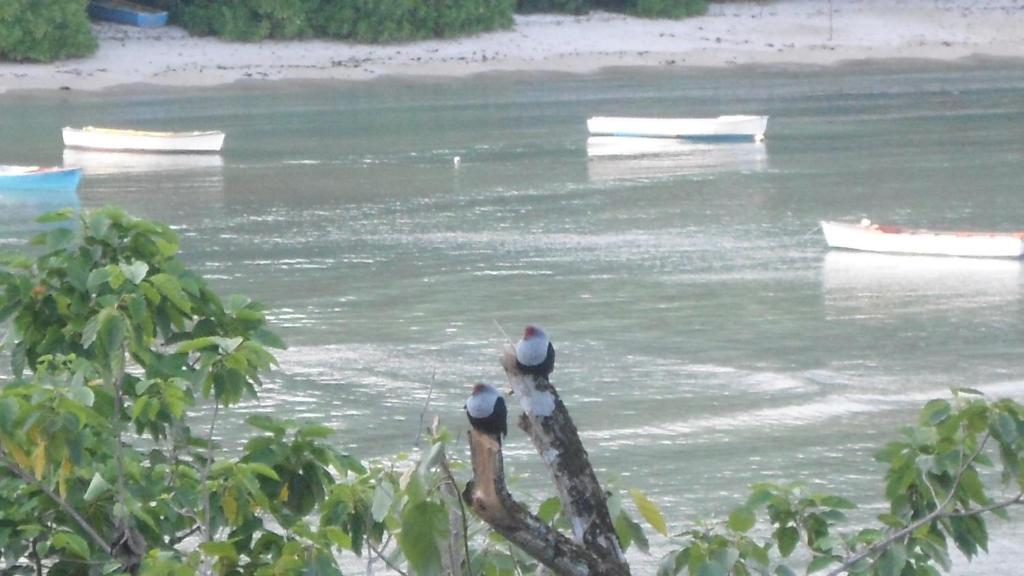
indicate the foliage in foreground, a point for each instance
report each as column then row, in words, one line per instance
column 44, row 30
column 106, row 467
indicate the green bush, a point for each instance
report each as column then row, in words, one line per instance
column 245, row 20
column 373, row 20
column 644, row 8
column 654, row 8
column 44, row 30
column 668, row 8
column 357, row 20
column 563, row 6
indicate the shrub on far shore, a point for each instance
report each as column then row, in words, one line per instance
column 44, row 30
column 561, row 6
column 357, row 20
column 644, row 8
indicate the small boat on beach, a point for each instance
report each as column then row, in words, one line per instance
column 720, row 129
column 870, row 237
column 123, row 12
column 112, row 139
column 39, row 178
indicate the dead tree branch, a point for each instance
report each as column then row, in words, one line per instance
column 490, row 499
column 546, row 420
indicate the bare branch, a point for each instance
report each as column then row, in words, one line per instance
column 1018, row 499
column 81, row 521
column 206, row 470
column 423, row 412
column 460, row 531
column 387, row 562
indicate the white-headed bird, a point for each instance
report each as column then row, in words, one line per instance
column 534, row 353
column 487, row 412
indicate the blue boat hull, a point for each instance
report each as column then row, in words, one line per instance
column 58, row 180
column 125, row 15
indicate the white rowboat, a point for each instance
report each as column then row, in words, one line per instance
column 721, row 129
column 896, row 240
column 142, row 141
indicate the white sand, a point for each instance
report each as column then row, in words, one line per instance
column 768, row 32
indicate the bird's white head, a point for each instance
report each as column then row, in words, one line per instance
column 480, row 403
column 533, row 348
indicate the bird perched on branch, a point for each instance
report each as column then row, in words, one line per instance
column 487, row 412
column 534, row 353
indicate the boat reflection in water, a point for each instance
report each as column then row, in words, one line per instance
column 886, row 282
column 613, row 157
column 98, row 163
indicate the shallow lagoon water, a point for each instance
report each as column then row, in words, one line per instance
column 706, row 338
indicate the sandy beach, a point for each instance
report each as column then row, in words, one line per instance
column 780, row 32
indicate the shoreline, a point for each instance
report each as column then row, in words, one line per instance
column 784, row 32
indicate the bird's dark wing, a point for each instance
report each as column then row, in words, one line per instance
column 501, row 415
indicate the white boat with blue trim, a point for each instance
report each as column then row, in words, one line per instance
column 870, row 237
column 721, row 129
column 113, row 139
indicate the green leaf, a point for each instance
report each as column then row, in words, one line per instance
column 315, row 431
column 8, row 411
column 892, row 561
column 61, row 215
column 351, row 463
column 711, row 569
column 263, row 470
column 71, row 542
column 549, row 509
column 267, row 423
column 837, row 502
column 787, row 537
column 383, row 497
column 935, row 411
column 220, row 549
column 339, row 537
column 225, row 345
column 98, row 487
column 819, row 563
column 742, row 519
column 269, row 339
column 636, row 534
column 82, row 394
column 170, row 288
column 97, row 278
column 423, row 525
column 135, row 272
column 649, row 511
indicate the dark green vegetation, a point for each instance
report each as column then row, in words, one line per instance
column 122, row 360
column 44, row 30
column 358, row 20
column 644, row 8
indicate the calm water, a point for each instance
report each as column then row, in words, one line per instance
column 706, row 338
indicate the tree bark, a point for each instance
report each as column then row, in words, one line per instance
column 490, row 499
column 547, row 421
